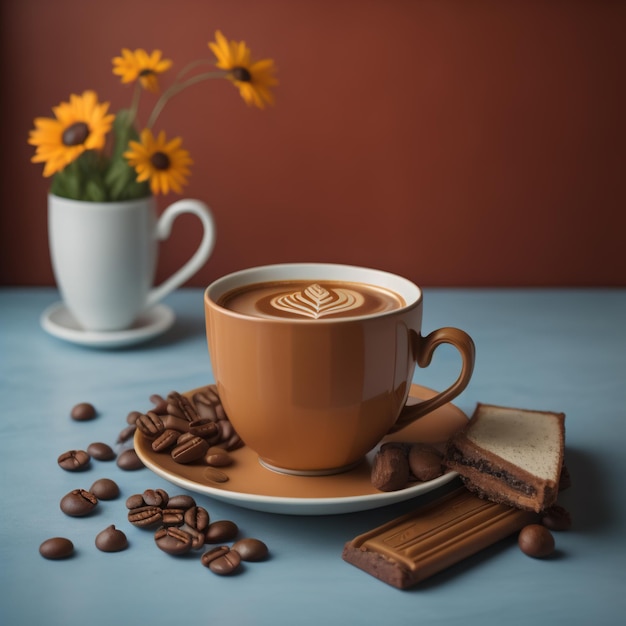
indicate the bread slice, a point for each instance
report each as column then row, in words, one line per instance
column 510, row 456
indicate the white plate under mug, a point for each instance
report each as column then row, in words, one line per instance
column 60, row 323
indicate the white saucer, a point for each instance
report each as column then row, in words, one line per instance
column 251, row 485
column 58, row 321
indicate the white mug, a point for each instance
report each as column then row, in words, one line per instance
column 104, row 256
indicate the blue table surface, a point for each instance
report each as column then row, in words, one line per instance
column 561, row 350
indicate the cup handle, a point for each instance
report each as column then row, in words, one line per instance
column 163, row 230
column 424, row 348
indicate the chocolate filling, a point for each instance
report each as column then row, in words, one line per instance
column 484, row 467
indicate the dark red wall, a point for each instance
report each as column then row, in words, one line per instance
column 455, row 142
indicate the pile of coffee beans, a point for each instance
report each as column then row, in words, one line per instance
column 195, row 430
column 191, row 430
column 181, row 526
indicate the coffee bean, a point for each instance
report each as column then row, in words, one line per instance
column 145, row 516
column 190, row 450
column 180, row 406
column 218, row 457
column 197, row 537
column 173, row 517
column 226, row 430
column 56, row 548
column 536, row 540
column 74, row 460
column 221, row 531
column 101, row 451
column 178, row 424
column 251, row 549
column 127, row 433
column 129, row 461
column 160, row 404
column 131, row 418
column 557, row 518
column 83, row 411
column 150, row 425
column 155, row 497
column 78, row 503
column 197, row 517
column 111, row 540
column 173, row 540
column 181, row 501
column 184, row 437
column 166, row 440
column 221, row 560
column 135, row 501
column 204, row 428
column 105, row 489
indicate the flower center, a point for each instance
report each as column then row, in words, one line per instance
column 160, row 161
column 241, row 74
column 146, row 72
column 76, row 134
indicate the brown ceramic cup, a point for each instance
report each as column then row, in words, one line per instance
column 313, row 362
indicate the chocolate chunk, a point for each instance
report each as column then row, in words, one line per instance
column 56, row 548
column 220, row 531
column 390, row 469
column 425, row 462
column 83, row 411
column 105, row 489
column 251, row 549
column 101, row 451
column 129, row 461
column 111, row 540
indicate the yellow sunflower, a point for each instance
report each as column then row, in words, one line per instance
column 164, row 163
column 139, row 65
column 80, row 124
column 252, row 78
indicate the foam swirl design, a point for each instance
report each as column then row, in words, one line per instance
column 316, row 302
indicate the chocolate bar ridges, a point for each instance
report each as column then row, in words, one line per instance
column 409, row 549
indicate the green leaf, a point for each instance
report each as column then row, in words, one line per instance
column 95, row 191
column 123, row 132
column 67, row 182
column 121, row 178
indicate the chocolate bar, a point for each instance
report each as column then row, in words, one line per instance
column 409, row 549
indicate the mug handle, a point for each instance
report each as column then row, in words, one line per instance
column 424, row 348
column 163, row 230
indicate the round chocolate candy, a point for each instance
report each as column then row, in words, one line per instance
column 105, row 489
column 536, row 540
column 83, row 411
column 56, row 548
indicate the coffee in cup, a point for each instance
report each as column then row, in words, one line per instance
column 314, row 362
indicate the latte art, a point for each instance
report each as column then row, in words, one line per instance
column 311, row 299
column 316, row 302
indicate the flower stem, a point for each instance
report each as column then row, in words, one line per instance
column 176, row 88
column 134, row 105
column 191, row 66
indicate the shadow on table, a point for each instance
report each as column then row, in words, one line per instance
column 587, row 499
